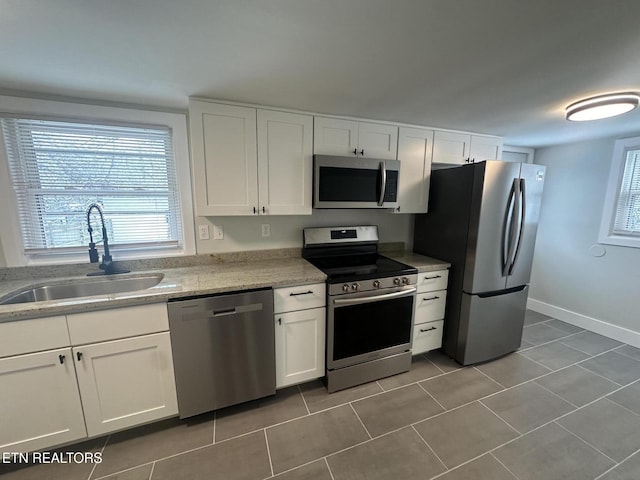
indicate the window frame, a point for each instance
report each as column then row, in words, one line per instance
column 10, row 236
column 606, row 235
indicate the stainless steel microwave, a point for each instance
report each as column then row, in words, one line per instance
column 349, row 182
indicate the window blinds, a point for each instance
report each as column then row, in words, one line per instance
column 58, row 168
column 627, row 215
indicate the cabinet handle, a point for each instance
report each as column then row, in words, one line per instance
column 433, row 278
column 362, row 152
column 254, row 210
column 432, row 298
column 398, row 210
column 280, row 321
column 61, row 358
column 428, row 329
column 79, row 355
column 467, row 160
column 301, row 293
column 263, row 210
column 355, row 151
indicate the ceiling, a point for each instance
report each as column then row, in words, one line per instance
column 503, row 67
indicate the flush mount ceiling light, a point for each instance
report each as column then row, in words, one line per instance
column 602, row 106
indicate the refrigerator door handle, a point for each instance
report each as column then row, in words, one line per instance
column 508, row 243
column 523, row 213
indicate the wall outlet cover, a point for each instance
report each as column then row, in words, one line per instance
column 203, row 232
column 266, row 230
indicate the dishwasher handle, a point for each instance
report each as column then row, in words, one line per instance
column 223, row 312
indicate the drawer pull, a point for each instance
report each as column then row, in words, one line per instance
column 310, row 292
column 432, row 298
column 433, row 278
column 61, row 358
column 428, row 329
column 79, row 355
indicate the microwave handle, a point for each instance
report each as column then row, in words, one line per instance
column 383, row 186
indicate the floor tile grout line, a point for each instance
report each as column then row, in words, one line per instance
column 304, row 400
column 361, row 422
column 297, row 466
column 215, row 418
column 505, row 467
column 424, row 440
column 625, row 354
column 432, row 363
column 266, row 441
column 621, row 406
column 564, row 345
column 615, row 466
column 559, row 339
column 326, row 462
column 434, row 398
column 500, row 418
column 126, row 470
column 597, row 374
column 556, row 395
column 153, row 467
column 104, row 445
column 586, row 442
column 492, row 379
column 593, row 355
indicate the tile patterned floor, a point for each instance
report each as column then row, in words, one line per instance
column 566, row 406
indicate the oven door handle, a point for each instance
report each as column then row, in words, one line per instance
column 343, row 302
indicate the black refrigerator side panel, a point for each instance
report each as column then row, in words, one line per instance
column 443, row 233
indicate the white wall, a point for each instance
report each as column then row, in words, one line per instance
column 244, row 233
column 3, row 262
column 599, row 293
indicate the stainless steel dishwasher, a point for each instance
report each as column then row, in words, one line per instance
column 223, row 350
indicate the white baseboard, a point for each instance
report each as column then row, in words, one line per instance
column 588, row 323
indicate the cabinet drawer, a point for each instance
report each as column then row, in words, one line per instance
column 430, row 281
column 430, row 306
column 300, row 297
column 427, row 336
column 105, row 325
column 26, row 336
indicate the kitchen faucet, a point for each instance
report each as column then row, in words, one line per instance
column 107, row 266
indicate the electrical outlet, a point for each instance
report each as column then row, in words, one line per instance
column 266, row 230
column 203, row 232
column 218, row 233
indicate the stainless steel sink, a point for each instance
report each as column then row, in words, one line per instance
column 83, row 288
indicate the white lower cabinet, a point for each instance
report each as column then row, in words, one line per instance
column 300, row 333
column 429, row 311
column 52, row 384
column 40, row 405
column 126, row 382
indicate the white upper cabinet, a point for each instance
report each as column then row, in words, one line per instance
column 285, row 162
column 485, row 148
column 225, row 170
column 459, row 148
column 248, row 161
column 335, row 136
column 415, row 147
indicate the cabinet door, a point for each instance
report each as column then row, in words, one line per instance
column 377, row 140
column 40, row 403
column 225, row 167
column 415, row 147
column 126, row 382
column 334, row 136
column 485, row 148
column 299, row 346
column 451, row 147
column 285, row 163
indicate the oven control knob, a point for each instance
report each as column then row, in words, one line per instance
column 355, row 287
column 396, row 281
column 376, row 283
column 345, row 287
column 405, row 281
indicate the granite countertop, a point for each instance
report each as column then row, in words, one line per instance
column 421, row 262
column 220, row 274
column 177, row 283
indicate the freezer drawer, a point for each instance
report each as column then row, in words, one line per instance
column 490, row 326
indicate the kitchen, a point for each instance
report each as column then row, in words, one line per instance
column 565, row 281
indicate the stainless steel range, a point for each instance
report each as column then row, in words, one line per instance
column 370, row 300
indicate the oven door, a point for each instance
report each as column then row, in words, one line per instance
column 369, row 325
column 345, row 182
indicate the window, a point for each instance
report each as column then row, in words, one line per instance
column 58, row 167
column 621, row 215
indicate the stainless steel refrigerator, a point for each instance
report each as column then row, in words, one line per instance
column 483, row 220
